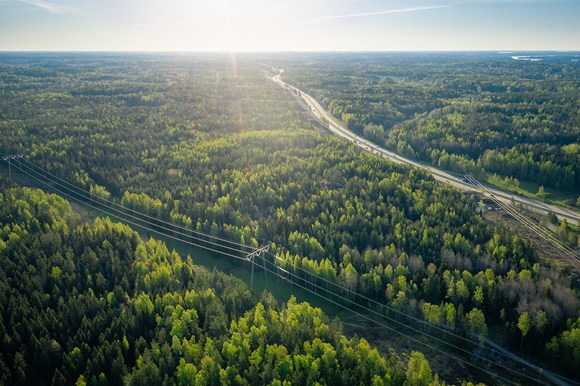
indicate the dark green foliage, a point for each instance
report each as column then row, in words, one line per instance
column 229, row 152
column 461, row 113
column 60, row 326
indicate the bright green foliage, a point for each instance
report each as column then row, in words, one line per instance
column 433, row 313
column 99, row 320
column 450, row 314
column 475, row 321
column 81, row 381
column 228, row 153
column 524, row 325
column 478, row 296
column 418, row 371
column 567, row 345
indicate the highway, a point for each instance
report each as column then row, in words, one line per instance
column 335, row 127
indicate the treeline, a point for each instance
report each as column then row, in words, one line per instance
column 232, row 154
column 92, row 304
column 465, row 114
column 548, row 157
column 537, row 163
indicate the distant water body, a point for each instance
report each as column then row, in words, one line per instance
column 552, row 56
column 528, row 58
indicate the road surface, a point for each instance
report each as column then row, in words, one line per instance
column 335, row 127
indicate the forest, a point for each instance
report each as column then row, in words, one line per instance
column 214, row 145
column 483, row 114
column 93, row 304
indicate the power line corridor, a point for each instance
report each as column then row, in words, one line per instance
column 442, row 340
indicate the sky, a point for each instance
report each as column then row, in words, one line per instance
column 289, row 25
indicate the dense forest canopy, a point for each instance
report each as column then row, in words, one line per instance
column 475, row 113
column 213, row 144
column 94, row 304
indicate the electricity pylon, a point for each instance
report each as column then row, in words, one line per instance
column 252, row 257
column 8, row 158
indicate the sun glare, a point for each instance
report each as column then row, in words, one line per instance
column 211, row 25
column 277, row 25
column 218, row 25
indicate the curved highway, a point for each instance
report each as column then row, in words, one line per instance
column 335, row 127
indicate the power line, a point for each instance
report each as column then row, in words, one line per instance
column 520, row 217
column 8, row 158
column 84, row 192
column 148, row 216
column 123, row 218
column 384, row 306
column 541, row 232
column 257, row 252
column 197, row 245
column 240, row 258
column 491, row 351
column 402, row 333
column 439, row 340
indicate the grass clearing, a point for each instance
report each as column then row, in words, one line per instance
column 530, row 190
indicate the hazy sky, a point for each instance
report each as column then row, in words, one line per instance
column 295, row 25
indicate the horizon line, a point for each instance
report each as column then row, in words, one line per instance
column 224, row 51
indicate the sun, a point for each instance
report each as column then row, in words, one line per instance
column 222, row 25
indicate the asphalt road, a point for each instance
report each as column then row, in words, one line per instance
column 335, row 127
